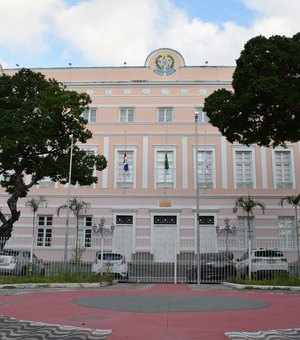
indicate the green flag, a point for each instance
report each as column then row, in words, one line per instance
column 166, row 161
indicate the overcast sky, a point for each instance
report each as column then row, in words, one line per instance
column 54, row 33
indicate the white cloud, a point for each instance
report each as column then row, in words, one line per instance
column 24, row 24
column 109, row 32
column 115, row 31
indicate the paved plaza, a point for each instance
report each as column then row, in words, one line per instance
column 11, row 328
column 148, row 312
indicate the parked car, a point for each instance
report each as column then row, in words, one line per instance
column 114, row 262
column 214, row 267
column 263, row 263
column 17, row 262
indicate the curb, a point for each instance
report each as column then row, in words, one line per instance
column 56, row 285
column 261, row 287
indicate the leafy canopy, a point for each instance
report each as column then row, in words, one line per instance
column 264, row 107
column 37, row 118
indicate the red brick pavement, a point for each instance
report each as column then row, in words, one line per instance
column 58, row 307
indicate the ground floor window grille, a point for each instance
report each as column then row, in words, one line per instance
column 85, row 231
column 165, row 219
column 287, row 232
column 124, row 219
column 44, row 236
column 244, row 232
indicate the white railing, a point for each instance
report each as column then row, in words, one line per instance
column 146, row 266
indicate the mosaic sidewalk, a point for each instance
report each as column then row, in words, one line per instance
column 281, row 334
column 11, row 328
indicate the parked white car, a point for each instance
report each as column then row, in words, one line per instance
column 263, row 263
column 17, row 262
column 113, row 262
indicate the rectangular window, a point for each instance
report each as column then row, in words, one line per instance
column 243, row 232
column 165, row 114
column 89, row 151
column 126, row 115
column 202, row 116
column 124, row 219
column 243, row 169
column 165, row 171
column 287, row 232
column 125, row 169
column 283, row 169
column 44, row 238
column 90, row 115
column 165, row 219
column 85, row 231
column 205, row 168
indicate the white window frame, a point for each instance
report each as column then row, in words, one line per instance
column 209, row 149
column 45, row 227
column 85, row 223
column 287, row 232
column 171, row 174
column 126, row 114
column 163, row 114
column 90, row 115
column 243, row 233
column 246, row 184
column 283, row 184
column 202, row 116
column 119, row 172
column 91, row 150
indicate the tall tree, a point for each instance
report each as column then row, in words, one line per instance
column 295, row 202
column 37, row 117
column 264, row 106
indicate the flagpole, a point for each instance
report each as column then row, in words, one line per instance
column 124, row 172
column 166, row 160
column 197, row 203
column 205, row 161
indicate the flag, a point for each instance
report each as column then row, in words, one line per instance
column 125, row 163
column 166, row 162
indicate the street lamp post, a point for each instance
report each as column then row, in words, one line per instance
column 197, row 201
column 68, row 201
column 227, row 230
column 102, row 229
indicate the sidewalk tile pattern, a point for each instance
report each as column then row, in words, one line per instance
column 11, row 328
column 281, row 334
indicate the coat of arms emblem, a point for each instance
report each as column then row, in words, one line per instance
column 164, row 65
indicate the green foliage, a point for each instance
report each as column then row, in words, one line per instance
column 247, row 205
column 278, row 280
column 37, row 116
column 63, row 278
column 264, row 108
column 107, row 274
column 77, row 254
column 31, row 270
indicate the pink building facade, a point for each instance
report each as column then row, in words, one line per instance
column 147, row 115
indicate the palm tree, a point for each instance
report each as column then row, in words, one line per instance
column 34, row 204
column 248, row 205
column 78, row 208
column 295, row 202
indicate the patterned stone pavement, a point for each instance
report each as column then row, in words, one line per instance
column 11, row 328
column 281, row 334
